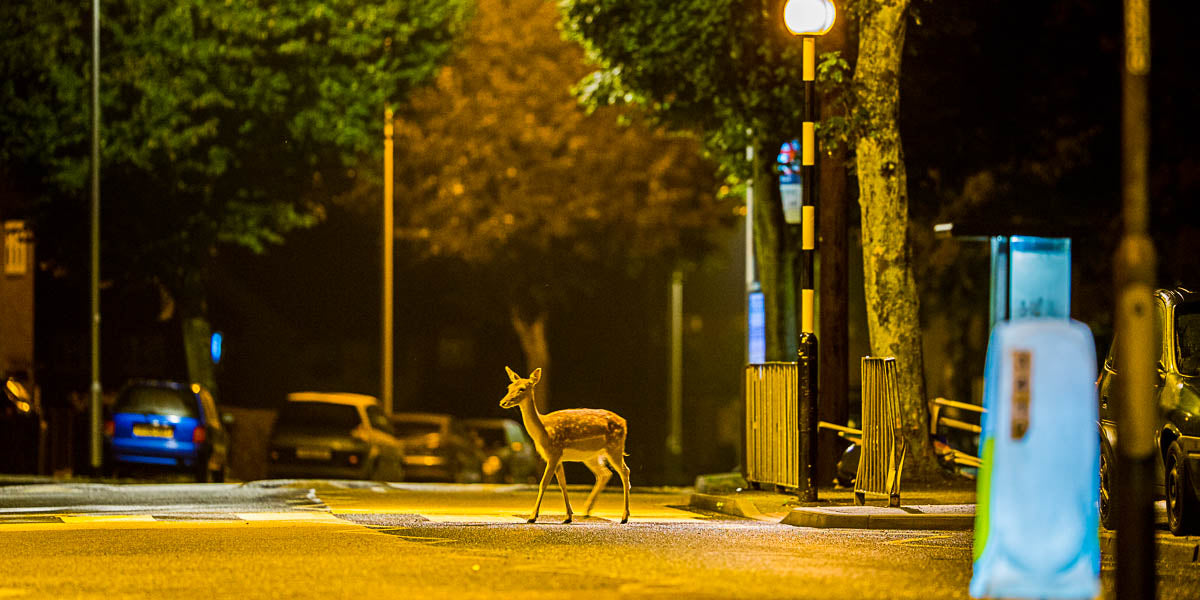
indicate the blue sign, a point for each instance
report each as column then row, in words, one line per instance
column 1031, row 278
column 1040, row 284
column 790, row 182
column 214, row 346
column 757, row 330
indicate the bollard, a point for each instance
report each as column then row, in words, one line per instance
column 807, row 381
column 1037, row 522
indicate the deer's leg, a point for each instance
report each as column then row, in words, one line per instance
column 616, row 458
column 596, row 465
column 562, row 484
column 551, row 463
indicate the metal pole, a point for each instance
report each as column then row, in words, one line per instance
column 807, row 343
column 675, row 412
column 1135, row 262
column 387, row 304
column 750, row 274
column 94, row 215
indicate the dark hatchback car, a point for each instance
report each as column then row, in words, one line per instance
column 437, row 448
column 509, row 455
column 167, row 424
column 1175, row 339
column 334, row 435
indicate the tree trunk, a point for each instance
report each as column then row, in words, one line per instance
column 197, row 337
column 891, row 293
column 531, row 333
column 774, row 256
column 833, row 288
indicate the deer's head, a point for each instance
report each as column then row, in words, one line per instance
column 520, row 389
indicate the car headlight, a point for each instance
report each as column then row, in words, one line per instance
column 492, row 465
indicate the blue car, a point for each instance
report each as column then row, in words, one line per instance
column 168, row 424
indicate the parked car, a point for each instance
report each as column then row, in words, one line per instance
column 509, row 455
column 169, row 424
column 335, row 436
column 1175, row 340
column 21, row 429
column 437, row 448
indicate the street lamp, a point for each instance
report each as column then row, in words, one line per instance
column 808, row 19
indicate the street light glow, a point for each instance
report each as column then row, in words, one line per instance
column 809, row 17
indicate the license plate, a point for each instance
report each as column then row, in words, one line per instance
column 157, row 431
column 314, row 453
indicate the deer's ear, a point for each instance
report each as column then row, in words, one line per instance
column 512, row 375
column 535, row 375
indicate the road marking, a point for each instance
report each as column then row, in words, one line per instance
column 107, row 518
column 48, row 519
column 489, row 517
column 290, row 516
column 908, row 542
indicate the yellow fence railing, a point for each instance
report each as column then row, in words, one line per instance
column 772, row 425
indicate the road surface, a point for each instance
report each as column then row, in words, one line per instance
column 374, row 540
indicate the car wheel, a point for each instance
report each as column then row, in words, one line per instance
column 203, row 474
column 1181, row 501
column 1107, row 465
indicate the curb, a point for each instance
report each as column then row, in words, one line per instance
column 738, row 507
column 1171, row 550
column 831, row 519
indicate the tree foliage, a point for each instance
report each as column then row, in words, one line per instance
column 727, row 69
column 723, row 68
column 499, row 166
column 221, row 122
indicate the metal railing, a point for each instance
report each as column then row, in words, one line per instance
column 883, row 447
column 772, row 425
column 937, row 419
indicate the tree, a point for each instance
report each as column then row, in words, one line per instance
column 726, row 67
column 893, row 307
column 728, row 71
column 500, row 167
column 222, row 123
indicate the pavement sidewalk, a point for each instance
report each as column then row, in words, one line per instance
column 950, row 507
column 943, row 509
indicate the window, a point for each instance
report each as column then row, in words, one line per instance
column 378, row 419
column 157, row 401
column 1155, row 337
column 319, row 415
column 1187, row 337
column 16, row 248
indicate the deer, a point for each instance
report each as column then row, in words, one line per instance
column 590, row 436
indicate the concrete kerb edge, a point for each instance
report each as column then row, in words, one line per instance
column 738, row 507
column 1175, row 551
column 823, row 519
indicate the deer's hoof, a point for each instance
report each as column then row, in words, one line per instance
column 569, row 519
column 531, row 520
column 625, row 519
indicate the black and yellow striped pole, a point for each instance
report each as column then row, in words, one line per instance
column 808, row 19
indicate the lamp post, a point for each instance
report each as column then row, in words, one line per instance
column 808, row 19
column 387, row 308
column 95, row 399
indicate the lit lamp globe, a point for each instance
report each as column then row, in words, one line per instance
column 809, row 17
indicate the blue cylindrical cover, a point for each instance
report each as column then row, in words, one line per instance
column 1037, row 519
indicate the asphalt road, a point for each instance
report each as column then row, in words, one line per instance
column 342, row 540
